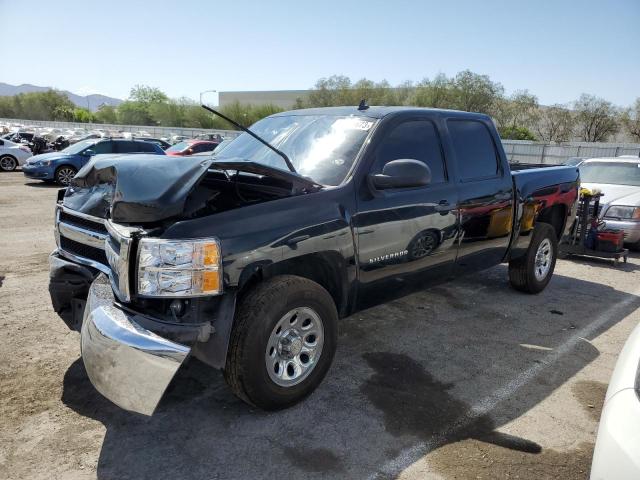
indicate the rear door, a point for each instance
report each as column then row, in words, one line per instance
column 407, row 232
column 485, row 194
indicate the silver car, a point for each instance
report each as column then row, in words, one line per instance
column 618, row 178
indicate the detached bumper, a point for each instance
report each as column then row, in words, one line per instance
column 631, row 229
column 126, row 363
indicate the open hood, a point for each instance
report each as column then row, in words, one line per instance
column 134, row 188
column 151, row 188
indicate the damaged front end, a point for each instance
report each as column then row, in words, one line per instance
column 134, row 336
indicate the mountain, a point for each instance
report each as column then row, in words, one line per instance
column 93, row 101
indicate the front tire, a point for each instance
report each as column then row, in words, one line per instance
column 8, row 163
column 532, row 272
column 64, row 174
column 283, row 342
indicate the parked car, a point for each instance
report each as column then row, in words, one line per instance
column 12, row 155
column 618, row 178
column 163, row 144
column 190, row 147
column 61, row 167
column 19, row 137
column 617, row 451
column 247, row 260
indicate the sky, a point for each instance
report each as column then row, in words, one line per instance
column 555, row 49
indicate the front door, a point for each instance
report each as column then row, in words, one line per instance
column 406, row 234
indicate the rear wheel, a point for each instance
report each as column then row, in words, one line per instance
column 64, row 174
column 8, row 163
column 532, row 272
column 283, row 342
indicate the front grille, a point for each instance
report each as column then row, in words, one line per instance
column 82, row 250
column 82, row 222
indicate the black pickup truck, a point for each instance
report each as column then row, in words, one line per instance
column 247, row 259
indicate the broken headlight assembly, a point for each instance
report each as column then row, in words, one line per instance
column 179, row 268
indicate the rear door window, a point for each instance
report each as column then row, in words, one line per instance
column 475, row 152
column 125, row 146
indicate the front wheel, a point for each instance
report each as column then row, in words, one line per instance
column 8, row 163
column 283, row 342
column 532, row 272
column 64, row 175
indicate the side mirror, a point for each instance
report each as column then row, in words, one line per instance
column 403, row 173
column 89, row 153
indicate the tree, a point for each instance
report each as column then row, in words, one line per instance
column 631, row 120
column 106, row 114
column 146, row 94
column 596, row 118
column 512, row 132
column 82, row 115
column 475, row 93
column 518, row 110
column 555, row 123
column 436, row 93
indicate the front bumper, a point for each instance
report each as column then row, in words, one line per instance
column 39, row 172
column 631, row 229
column 126, row 363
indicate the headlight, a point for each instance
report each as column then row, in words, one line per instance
column 179, row 268
column 623, row 212
column 42, row 163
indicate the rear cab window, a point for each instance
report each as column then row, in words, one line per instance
column 474, row 149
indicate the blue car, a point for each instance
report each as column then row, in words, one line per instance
column 61, row 167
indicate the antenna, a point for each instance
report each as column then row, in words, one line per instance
column 363, row 104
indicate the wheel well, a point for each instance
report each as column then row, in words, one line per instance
column 554, row 216
column 65, row 165
column 328, row 269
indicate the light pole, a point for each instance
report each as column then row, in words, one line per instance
column 210, row 91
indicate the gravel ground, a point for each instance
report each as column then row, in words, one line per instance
column 466, row 380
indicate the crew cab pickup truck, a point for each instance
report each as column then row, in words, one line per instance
column 248, row 266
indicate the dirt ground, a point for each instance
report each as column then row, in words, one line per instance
column 466, row 380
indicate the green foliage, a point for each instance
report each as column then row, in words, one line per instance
column 597, row 119
column 82, row 115
column 49, row 105
column 512, row 132
column 631, row 120
column 106, row 114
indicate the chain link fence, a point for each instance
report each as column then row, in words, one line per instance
column 518, row 151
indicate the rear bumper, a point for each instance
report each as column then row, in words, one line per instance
column 128, row 364
column 631, row 229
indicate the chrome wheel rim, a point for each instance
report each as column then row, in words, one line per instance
column 65, row 175
column 544, row 255
column 294, row 346
column 7, row 163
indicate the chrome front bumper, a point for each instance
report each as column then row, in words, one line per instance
column 126, row 363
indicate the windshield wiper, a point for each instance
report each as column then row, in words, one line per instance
column 261, row 140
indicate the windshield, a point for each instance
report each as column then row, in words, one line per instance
column 178, row 147
column 78, row 147
column 321, row 147
column 615, row 173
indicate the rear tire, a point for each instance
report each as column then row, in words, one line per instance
column 532, row 272
column 259, row 342
column 8, row 163
column 64, row 174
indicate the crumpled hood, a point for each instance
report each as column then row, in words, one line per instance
column 135, row 188
column 617, row 194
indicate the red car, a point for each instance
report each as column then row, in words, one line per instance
column 189, row 147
